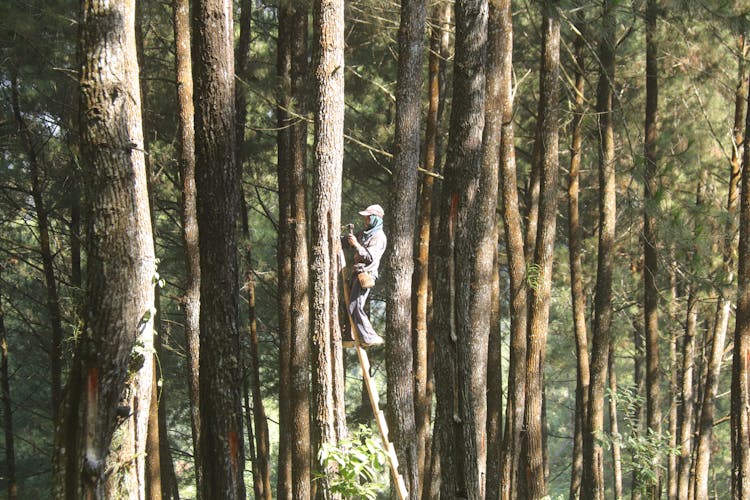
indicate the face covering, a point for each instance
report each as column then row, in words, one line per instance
column 376, row 224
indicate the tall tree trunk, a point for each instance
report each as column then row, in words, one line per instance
column 495, row 390
column 576, row 269
column 740, row 407
column 464, row 252
column 153, row 456
column 685, row 427
column 327, row 365
column 724, row 305
column 674, row 376
column 421, row 278
column 514, row 412
column 110, row 385
column 156, row 482
column 188, row 219
column 10, row 448
column 650, row 268
column 300, row 340
column 593, row 465
column 262, row 463
column 400, row 258
column 283, row 246
column 497, row 43
column 223, row 458
column 614, row 428
column 539, row 296
column 45, row 249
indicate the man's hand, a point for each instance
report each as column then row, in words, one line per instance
column 352, row 241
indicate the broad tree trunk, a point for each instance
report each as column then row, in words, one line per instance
column 514, row 411
column 10, row 448
column 498, row 42
column 578, row 298
column 650, row 268
column 327, row 367
column 223, row 457
column 593, row 465
column 421, row 278
column 188, row 219
column 465, row 254
column 45, row 250
column 283, row 246
column 299, row 370
column 104, row 418
column 539, row 295
column 400, row 258
column 740, row 393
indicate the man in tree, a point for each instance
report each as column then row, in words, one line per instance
column 369, row 245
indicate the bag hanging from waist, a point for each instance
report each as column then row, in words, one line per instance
column 365, row 280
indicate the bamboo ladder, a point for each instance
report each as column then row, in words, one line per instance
column 372, row 392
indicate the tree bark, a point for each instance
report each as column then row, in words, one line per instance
column 515, row 407
column 188, row 219
column 300, row 335
column 724, row 305
column 674, row 376
column 539, row 294
column 495, row 390
column 593, row 466
column 217, row 184
column 498, row 42
column 740, row 392
column 650, row 268
column 283, row 247
column 685, row 427
column 400, row 258
column 421, row 281
column 578, row 298
column 464, row 252
column 110, row 384
column 262, row 468
column 10, row 448
column 327, row 366
column 154, row 489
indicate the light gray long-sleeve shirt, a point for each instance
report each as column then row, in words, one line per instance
column 368, row 257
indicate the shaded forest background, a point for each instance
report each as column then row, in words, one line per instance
column 702, row 73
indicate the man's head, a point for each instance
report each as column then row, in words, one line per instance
column 376, row 210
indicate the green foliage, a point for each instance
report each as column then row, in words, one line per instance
column 641, row 450
column 358, row 462
column 533, row 275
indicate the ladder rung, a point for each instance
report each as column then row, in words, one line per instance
column 394, row 457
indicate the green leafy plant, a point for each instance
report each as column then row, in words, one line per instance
column 533, row 275
column 357, row 463
column 640, row 448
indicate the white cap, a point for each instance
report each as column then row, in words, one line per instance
column 373, row 210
